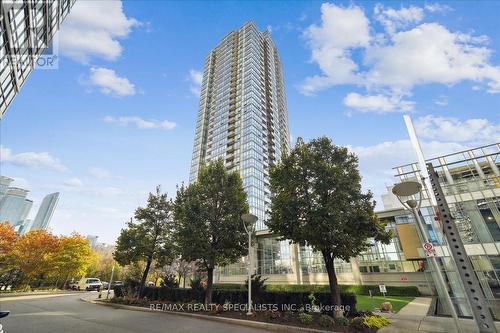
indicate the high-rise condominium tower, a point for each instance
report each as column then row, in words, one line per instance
column 45, row 212
column 243, row 114
column 26, row 31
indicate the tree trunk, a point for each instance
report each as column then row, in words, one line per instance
column 210, row 283
column 144, row 277
column 332, row 280
column 65, row 282
column 184, row 281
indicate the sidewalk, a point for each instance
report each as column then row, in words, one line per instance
column 413, row 318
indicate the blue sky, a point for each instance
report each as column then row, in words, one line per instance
column 117, row 117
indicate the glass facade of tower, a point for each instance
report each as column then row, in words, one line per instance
column 14, row 206
column 242, row 112
column 26, row 31
column 45, row 211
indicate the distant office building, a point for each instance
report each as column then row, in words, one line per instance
column 92, row 241
column 26, row 31
column 45, row 212
column 25, row 226
column 242, row 114
column 4, row 185
column 95, row 244
column 14, row 206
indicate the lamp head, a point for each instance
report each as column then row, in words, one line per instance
column 407, row 189
column 249, row 221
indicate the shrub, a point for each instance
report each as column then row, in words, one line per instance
column 376, row 322
column 342, row 321
column 169, row 280
column 358, row 323
column 257, row 285
column 305, row 318
column 229, row 286
column 370, row 322
column 273, row 314
column 197, row 284
column 326, row 321
column 119, row 291
column 222, row 296
column 345, row 288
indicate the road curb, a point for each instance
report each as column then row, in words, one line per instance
column 234, row 321
column 35, row 293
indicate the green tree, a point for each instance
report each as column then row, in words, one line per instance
column 150, row 239
column 317, row 201
column 207, row 217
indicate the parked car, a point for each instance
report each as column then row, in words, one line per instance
column 116, row 283
column 2, row 315
column 73, row 285
column 89, row 284
column 105, row 285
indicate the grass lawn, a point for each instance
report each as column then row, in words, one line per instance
column 366, row 303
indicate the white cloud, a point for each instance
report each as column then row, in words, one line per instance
column 378, row 103
column 376, row 161
column 38, row 160
column 394, row 62
column 110, row 83
column 393, row 19
column 437, row 8
column 442, row 100
column 430, row 53
column 94, row 29
column 477, row 131
column 141, row 123
column 341, row 30
column 438, row 136
column 99, row 173
column 73, row 182
column 196, row 79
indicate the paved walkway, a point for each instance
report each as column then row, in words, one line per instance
column 413, row 318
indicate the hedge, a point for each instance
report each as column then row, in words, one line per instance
column 346, row 288
column 221, row 296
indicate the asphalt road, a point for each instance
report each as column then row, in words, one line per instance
column 67, row 314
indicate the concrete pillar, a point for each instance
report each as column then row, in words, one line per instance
column 356, row 275
column 476, row 164
column 296, row 262
column 493, row 166
column 447, row 173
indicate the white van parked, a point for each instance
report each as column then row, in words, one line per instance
column 89, row 284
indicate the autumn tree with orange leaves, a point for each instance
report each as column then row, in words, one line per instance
column 34, row 254
column 7, row 241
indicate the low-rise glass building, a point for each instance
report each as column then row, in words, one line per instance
column 471, row 182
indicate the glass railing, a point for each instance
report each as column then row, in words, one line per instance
column 472, row 185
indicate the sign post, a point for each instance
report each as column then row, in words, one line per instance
column 382, row 289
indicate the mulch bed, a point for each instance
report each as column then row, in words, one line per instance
column 281, row 318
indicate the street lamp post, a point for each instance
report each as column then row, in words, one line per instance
column 405, row 192
column 111, row 280
column 249, row 224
